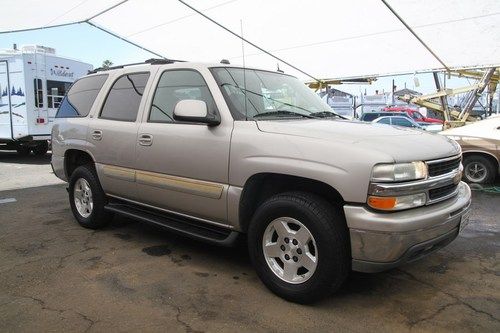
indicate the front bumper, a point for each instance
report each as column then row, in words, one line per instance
column 381, row 241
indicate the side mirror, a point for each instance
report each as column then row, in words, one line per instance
column 192, row 110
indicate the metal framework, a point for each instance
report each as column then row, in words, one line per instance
column 457, row 117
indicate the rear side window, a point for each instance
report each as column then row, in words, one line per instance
column 401, row 122
column 81, row 97
column 384, row 121
column 125, row 97
column 371, row 116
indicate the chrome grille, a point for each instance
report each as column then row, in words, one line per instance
column 441, row 184
column 442, row 192
column 441, row 167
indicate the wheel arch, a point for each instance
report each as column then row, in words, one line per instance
column 73, row 158
column 261, row 186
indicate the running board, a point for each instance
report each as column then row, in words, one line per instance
column 177, row 224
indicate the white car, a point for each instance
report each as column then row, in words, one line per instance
column 398, row 121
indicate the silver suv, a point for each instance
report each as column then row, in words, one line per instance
column 216, row 151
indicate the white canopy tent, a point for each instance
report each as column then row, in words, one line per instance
column 326, row 39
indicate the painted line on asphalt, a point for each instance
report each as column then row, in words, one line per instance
column 7, row 200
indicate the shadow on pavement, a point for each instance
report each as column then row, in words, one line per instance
column 13, row 157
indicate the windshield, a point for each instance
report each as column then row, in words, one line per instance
column 260, row 94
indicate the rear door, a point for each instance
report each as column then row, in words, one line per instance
column 113, row 132
column 5, row 102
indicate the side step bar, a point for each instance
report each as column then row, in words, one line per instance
column 183, row 226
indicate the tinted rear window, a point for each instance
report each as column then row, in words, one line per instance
column 373, row 116
column 125, row 97
column 81, row 97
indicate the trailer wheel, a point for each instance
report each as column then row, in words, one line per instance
column 41, row 148
column 23, row 151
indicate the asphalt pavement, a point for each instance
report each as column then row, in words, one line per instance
column 57, row 276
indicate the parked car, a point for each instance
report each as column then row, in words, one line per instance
column 214, row 152
column 371, row 116
column 432, row 128
column 480, row 142
column 398, row 121
column 414, row 114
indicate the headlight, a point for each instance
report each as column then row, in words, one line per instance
column 397, row 203
column 399, row 172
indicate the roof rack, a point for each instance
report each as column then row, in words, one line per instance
column 152, row 61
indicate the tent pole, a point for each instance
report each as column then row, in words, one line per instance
column 247, row 41
column 415, row 34
column 125, row 40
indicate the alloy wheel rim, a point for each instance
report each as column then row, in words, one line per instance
column 475, row 172
column 82, row 194
column 290, row 250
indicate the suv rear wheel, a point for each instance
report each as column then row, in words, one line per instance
column 299, row 247
column 87, row 199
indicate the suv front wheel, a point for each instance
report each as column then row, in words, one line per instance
column 87, row 199
column 299, row 247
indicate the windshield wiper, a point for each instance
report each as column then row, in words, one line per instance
column 282, row 112
column 326, row 114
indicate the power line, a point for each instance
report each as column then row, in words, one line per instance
column 69, row 23
column 415, row 34
column 179, row 19
column 368, row 35
column 249, row 42
column 66, row 12
column 106, row 10
column 124, row 39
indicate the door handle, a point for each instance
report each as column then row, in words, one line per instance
column 97, row 135
column 145, row 139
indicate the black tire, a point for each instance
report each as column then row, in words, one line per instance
column 23, row 151
column 471, row 161
column 327, row 225
column 41, row 148
column 98, row 217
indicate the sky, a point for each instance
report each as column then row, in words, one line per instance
column 81, row 42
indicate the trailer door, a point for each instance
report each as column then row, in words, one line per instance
column 5, row 102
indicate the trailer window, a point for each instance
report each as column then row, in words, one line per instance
column 55, row 92
column 81, row 96
column 37, row 84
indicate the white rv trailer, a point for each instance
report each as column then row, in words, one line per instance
column 33, row 82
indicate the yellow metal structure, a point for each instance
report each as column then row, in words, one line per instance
column 437, row 101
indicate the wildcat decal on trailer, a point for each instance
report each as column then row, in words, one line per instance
column 33, row 82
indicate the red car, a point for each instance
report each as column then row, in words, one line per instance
column 414, row 114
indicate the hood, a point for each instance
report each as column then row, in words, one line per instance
column 403, row 144
column 484, row 129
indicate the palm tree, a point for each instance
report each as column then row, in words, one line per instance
column 106, row 64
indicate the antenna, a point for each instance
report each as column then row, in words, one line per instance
column 244, row 69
